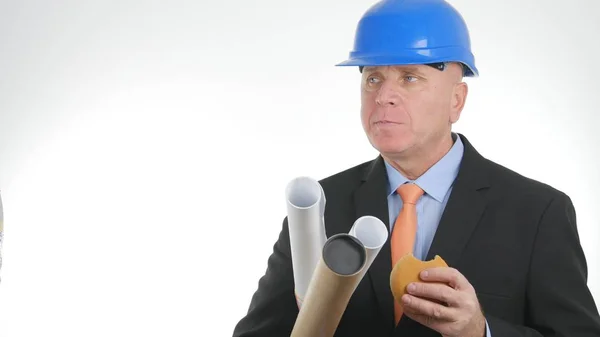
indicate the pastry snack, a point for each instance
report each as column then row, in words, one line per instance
column 407, row 270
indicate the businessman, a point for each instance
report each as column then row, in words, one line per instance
column 516, row 265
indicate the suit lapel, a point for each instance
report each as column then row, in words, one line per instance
column 371, row 199
column 463, row 210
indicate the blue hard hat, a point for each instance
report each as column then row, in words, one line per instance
column 398, row 32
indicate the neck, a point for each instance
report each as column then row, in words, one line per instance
column 415, row 164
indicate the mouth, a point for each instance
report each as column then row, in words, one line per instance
column 385, row 122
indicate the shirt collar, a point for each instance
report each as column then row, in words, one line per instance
column 438, row 179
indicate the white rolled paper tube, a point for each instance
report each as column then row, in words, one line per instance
column 305, row 208
column 372, row 233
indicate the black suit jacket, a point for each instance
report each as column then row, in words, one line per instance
column 515, row 240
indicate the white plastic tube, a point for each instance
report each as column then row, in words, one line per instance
column 372, row 233
column 305, row 209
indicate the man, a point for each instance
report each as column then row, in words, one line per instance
column 516, row 266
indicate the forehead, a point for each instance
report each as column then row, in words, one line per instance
column 415, row 68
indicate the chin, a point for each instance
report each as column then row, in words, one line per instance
column 391, row 145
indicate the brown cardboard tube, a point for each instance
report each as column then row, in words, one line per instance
column 338, row 273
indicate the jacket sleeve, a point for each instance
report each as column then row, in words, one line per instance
column 558, row 300
column 273, row 309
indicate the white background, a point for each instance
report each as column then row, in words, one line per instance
column 145, row 145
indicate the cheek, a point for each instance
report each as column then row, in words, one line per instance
column 364, row 117
column 422, row 110
column 366, row 108
column 414, row 110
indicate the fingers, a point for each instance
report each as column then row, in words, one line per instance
column 446, row 302
column 424, row 307
column 447, row 275
column 428, row 321
column 435, row 291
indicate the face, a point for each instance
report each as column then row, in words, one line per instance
column 406, row 109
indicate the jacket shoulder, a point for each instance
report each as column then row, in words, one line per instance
column 518, row 183
column 348, row 178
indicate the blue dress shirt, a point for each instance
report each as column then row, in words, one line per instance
column 437, row 183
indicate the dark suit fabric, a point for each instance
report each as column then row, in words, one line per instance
column 515, row 240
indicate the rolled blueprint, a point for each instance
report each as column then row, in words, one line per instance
column 372, row 233
column 305, row 209
column 338, row 273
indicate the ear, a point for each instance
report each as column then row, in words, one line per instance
column 459, row 97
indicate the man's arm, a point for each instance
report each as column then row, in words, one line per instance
column 273, row 309
column 559, row 303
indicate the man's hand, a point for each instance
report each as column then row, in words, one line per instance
column 448, row 306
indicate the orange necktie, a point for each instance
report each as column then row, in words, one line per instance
column 405, row 229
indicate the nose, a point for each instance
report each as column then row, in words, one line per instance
column 387, row 95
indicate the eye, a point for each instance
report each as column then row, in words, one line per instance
column 410, row 78
column 372, row 80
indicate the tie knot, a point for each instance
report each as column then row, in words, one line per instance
column 409, row 193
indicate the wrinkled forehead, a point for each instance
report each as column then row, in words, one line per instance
column 422, row 68
column 408, row 67
column 430, row 69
